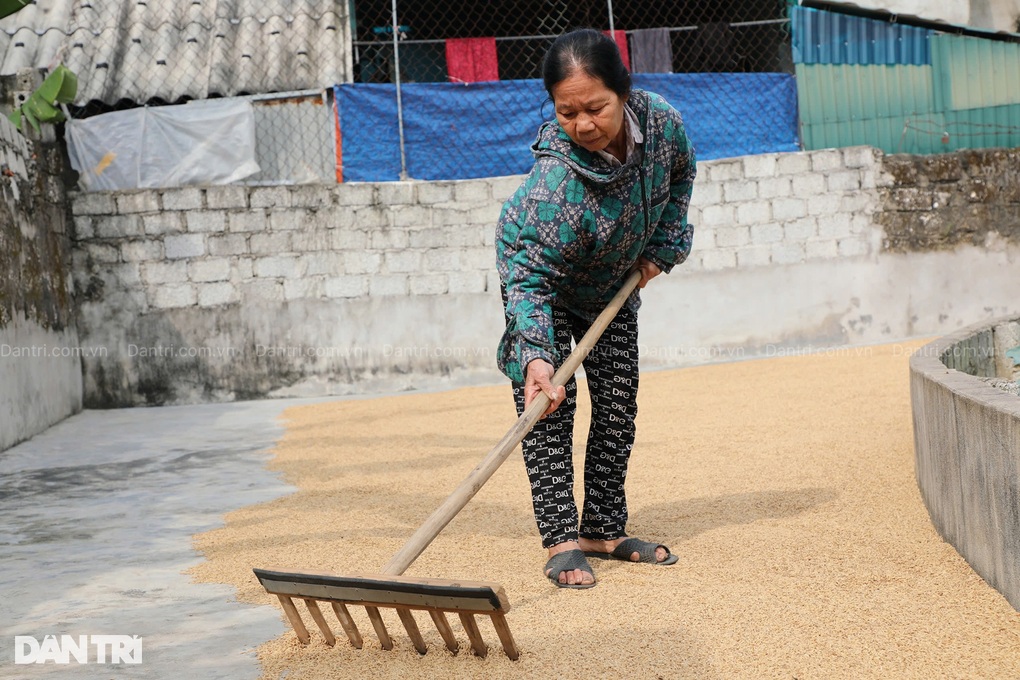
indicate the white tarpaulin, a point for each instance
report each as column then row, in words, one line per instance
column 201, row 142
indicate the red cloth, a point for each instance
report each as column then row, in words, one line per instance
column 620, row 37
column 471, row 60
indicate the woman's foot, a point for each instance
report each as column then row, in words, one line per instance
column 574, row 577
column 589, row 545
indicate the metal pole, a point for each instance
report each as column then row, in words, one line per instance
column 400, row 106
column 612, row 29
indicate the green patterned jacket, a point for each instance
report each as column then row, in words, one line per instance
column 576, row 226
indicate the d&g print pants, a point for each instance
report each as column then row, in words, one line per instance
column 612, row 371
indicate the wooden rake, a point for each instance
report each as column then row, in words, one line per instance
column 438, row 597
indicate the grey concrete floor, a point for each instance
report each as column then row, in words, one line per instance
column 98, row 514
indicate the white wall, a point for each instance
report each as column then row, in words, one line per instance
column 232, row 292
column 998, row 15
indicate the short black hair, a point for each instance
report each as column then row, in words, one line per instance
column 591, row 52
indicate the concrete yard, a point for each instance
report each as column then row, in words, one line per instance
column 98, row 517
column 786, row 486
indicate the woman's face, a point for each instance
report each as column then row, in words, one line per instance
column 588, row 111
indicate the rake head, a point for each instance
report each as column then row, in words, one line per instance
column 402, row 593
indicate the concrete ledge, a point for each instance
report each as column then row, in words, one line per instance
column 967, row 448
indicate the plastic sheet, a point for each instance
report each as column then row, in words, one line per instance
column 202, row 142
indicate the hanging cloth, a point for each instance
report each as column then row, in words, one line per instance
column 620, row 37
column 471, row 60
column 651, row 51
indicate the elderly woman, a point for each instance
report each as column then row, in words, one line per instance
column 608, row 194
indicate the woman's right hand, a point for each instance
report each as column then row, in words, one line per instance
column 539, row 380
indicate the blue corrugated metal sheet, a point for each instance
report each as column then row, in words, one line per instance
column 830, row 38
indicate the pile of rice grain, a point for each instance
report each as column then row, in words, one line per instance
column 785, row 485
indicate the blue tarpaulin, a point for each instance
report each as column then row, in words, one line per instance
column 456, row 131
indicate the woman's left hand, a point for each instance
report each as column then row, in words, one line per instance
column 649, row 270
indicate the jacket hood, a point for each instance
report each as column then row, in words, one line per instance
column 554, row 142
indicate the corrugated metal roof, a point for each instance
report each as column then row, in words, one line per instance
column 821, row 37
column 32, row 37
column 144, row 49
column 910, row 20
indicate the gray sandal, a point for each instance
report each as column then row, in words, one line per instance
column 644, row 549
column 568, row 561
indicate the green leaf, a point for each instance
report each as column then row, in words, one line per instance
column 9, row 7
column 637, row 225
column 555, row 177
column 60, row 86
column 575, row 191
column 612, row 207
column 567, row 234
column 547, row 211
column 635, row 194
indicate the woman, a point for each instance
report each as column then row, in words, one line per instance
column 608, row 194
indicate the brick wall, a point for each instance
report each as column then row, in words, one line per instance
column 234, row 292
column 217, row 246
column 785, row 209
column 939, row 202
column 224, row 245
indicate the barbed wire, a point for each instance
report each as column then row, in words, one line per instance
column 947, row 131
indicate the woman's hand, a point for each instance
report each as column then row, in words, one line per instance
column 649, row 270
column 539, row 380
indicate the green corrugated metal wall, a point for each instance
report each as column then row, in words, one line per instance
column 969, row 97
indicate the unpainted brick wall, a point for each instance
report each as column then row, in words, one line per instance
column 938, row 202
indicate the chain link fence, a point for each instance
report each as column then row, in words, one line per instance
column 285, row 56
column 432, row 42
column 742, row 36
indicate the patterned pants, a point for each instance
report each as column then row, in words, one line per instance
column 612, row 372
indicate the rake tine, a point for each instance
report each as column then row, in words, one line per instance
column 411, row 626
column 380, row 627
column 320, row 621
column 347, row 622
column 474, row 635
column 505, row 636
column 439, row 618
column 295, row 619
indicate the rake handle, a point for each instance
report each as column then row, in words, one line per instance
column 467, row 489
